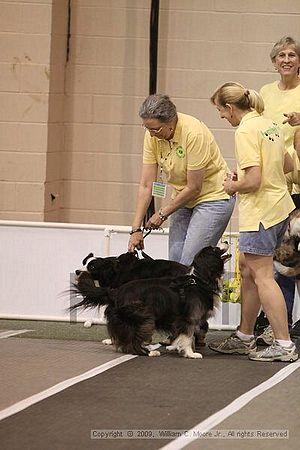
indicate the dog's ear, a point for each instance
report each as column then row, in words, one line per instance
column 90, row 255
column 224, row 246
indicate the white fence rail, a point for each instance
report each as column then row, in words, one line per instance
column 39, row 259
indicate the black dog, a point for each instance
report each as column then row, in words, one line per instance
column 173, row 305
column 113, row 271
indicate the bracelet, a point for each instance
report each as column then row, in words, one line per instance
column 162, row 216
column 137, row 230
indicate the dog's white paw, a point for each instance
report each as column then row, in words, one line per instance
column 171, row 348
column 193, row 355
column 107, row 342
column 154, row 353
column 151, row 347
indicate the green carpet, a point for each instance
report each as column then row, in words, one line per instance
column 60, row 330
column 71, row 331
column 55, row 330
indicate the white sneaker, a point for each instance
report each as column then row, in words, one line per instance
column 266, row 338
column 276, row 353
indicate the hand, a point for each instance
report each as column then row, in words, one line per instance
column 154, row 222
column 136, row 241
column 231, row 176
column 228, row 186
column 292, row 118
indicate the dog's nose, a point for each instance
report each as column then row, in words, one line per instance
column 78, row 272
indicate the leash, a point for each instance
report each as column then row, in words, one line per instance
column 144, row 254
column 147, row 233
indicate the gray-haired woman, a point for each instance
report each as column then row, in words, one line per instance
column 180, row 151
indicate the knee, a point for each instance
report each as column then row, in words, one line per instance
column 244, row 268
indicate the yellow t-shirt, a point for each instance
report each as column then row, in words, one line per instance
column 293, row 178
column 192, row 147
column 259, row 142
column 276, row 103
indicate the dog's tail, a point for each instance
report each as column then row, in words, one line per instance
column 92, row 296
column 286, row 271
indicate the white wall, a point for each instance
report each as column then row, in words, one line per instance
column 39, row 259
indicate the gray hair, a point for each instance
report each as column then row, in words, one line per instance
column 158, row 107
column 284, row 42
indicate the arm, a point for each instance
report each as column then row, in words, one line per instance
column 297, row 143
column 250, row 183
column 192, row 188
column 149, row 172
column 288, row 165
column 293, row 118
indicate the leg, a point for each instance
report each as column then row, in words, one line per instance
column 270, row 295
column 179, row 223
column 250, row 299
column 287, row 285
column 183, row 344
column 207, row 225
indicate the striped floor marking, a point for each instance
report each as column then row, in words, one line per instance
column 233, row 407
column 23, row 404
column 8, row 333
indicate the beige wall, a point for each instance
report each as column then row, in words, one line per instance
column 29, row 109
column 71, row 129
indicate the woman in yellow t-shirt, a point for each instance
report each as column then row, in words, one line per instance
column 282, row 104
column 180, row 151
column 264, row 208
column 282, row 98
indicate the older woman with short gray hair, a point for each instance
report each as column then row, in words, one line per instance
column 181, row 152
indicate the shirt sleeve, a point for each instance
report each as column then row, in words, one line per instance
column 247, row 150
column 149, row 154
column 198, row 152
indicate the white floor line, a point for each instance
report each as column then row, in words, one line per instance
column 8, row 333
column 23, row 404
column 236, row 405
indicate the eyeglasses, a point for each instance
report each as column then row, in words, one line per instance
column 152, row 130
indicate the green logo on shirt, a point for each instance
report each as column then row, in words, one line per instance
column 180, row 152
column 271, row 133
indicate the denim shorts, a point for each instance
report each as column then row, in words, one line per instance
column 264, row 241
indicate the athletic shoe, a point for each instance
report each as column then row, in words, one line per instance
column 266, row 338
column 276, row 353
column 295, row 330
column 233, row 344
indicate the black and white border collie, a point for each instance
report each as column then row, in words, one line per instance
column 173, row 304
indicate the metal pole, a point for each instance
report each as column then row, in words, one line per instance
column 153, row 46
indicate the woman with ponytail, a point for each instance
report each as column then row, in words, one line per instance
column 264, row 208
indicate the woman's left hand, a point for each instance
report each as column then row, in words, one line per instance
column 230, row 177
column 228, row 188
column 154, row 222
column 293, row 118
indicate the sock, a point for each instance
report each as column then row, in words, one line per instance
column 283, row 343
column 243, row 336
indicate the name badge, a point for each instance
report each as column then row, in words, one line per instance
column 159, row 189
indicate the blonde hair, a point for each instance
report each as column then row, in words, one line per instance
column 284, row 42
column 235, row 94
